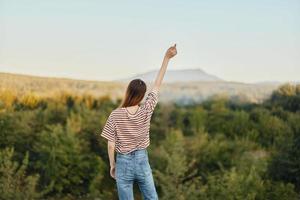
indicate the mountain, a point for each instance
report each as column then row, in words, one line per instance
column 172, row 76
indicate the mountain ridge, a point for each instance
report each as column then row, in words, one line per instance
column 171, row 76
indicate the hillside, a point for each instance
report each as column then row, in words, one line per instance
column 181, row 92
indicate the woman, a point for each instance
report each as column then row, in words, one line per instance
column 127, row 132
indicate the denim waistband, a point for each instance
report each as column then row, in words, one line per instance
column 136, row 152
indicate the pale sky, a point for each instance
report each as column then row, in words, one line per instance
column 246, row 41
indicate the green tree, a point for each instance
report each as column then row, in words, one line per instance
column 173, row 176
column 64, row 162
column 285, row 165
column 238, row 185
column 15, row 184
column 286, row 96
column 272, row 130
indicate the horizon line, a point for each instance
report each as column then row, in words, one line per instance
column 94, row 80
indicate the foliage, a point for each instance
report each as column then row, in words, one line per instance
column 173, row 179
column 15, row 184
column 50, row 148
column 286, row 162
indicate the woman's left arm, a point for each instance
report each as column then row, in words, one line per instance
column 111, row 155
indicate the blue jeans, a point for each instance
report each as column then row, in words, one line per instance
column 132, row 167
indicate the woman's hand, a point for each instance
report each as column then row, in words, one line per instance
column 113, row 171
column 171, row 52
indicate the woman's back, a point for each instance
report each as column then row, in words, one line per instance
column 131, row 131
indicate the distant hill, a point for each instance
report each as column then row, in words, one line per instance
column 44, row 86
column 183, row 92
column 172, row 76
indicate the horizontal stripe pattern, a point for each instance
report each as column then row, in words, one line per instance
column 131, row 132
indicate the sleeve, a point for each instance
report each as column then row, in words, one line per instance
column 151, row 101
column 109, row 131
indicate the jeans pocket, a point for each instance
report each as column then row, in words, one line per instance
column 121, row 168
column 145, row 167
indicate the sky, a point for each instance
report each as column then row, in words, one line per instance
column 236, row 40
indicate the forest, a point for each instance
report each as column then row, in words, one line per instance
column 50, row 148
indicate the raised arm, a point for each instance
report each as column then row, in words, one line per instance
column 171, row 52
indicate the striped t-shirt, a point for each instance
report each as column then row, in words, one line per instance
column 131, row 131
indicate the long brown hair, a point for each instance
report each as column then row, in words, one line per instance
column 135, row 93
